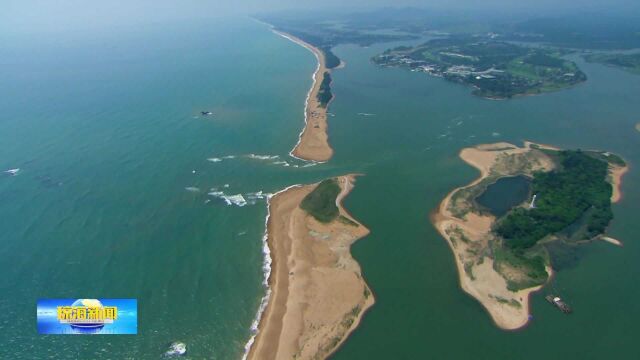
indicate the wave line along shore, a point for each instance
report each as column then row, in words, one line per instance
column 317, row 293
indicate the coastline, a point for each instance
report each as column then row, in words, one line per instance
column 617, row 172
column 313, row 140
column 317, row 295
column 486, row 285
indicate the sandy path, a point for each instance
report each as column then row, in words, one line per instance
column 318, row 293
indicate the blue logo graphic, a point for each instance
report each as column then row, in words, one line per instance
column 87, row 316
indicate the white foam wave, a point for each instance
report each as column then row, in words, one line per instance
column 192, row 189
column 366, row 114
column 236, row 199
column 282, row 162
column 263, row 157
column 214, row 159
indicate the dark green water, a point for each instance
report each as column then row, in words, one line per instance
column 504, row 194
column 103, row 129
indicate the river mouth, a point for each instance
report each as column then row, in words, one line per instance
column 503, row 195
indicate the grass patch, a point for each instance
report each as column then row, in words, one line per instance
column 346, row 220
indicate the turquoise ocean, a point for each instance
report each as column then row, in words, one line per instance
column 122, row 188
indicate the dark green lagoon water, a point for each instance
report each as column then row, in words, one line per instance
column 504, row 194
column 106, row 132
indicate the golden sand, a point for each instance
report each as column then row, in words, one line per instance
column 313, row 143
column 318, row 293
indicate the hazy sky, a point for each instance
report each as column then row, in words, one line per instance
column 61, row 15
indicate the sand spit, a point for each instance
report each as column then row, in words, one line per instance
column 318, row 295
column 313, row 141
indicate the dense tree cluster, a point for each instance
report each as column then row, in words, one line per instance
column 321, row 202
column 576, row 191
column 324, row 93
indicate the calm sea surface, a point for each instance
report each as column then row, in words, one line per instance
column 111, row 200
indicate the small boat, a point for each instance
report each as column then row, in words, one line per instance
column 206, row 113
column 177, row 348
column 559, row 303
column 12, row 172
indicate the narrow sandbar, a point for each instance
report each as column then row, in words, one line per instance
column 313, row 141
column 318, row 293
column 616, row 173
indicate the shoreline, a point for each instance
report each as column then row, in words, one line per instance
column 313, row 141
column 316, row 295
column 266, row 269
column 488, row 287
column 617, row 173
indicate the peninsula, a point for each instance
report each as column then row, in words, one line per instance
column 313, row 141
column 318, row 295
column 627, row 62
column 502, row 258
column 495, row 69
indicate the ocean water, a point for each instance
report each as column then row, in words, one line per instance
column 112, row 197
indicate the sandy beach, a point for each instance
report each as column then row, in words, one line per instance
column 313, row 141
column 616, row 173
column 509, row 310
column 318, row 293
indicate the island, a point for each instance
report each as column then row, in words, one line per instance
column 627, row 62
column 638, row 126
column 318, row 294
column 501, row 226
column 495, row 69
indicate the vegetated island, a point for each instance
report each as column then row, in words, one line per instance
column 502, row 260
column 318, row 294
column 496, row 69
column 628, row 62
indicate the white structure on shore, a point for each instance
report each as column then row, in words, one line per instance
column 533, row 202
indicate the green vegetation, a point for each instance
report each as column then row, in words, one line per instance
column 330, row 59
column 628, row 62
column 346, row 220
column 321, row 202
column 496, row 69
column 529, row 267
column 578, row 188
column 324, row 93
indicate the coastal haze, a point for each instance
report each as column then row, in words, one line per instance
column 125, row 189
